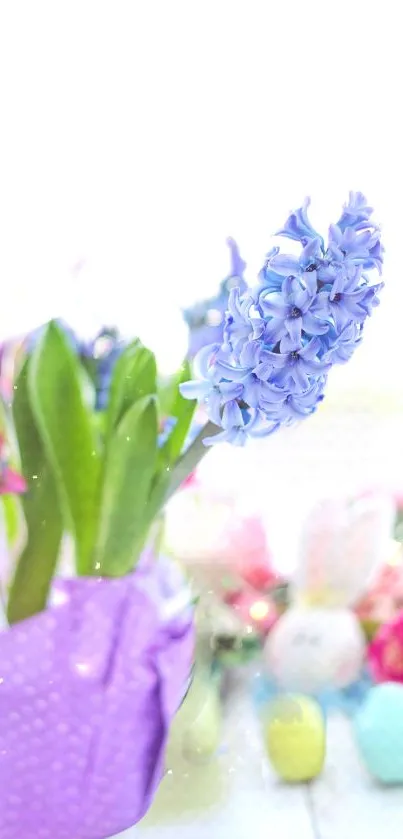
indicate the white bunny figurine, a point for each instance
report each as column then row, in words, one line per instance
column 318, row 643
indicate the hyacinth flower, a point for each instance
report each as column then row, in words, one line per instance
column 100, row 356
column 206, row 318
column 281, row 338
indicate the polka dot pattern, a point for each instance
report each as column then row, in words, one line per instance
column 87, row 692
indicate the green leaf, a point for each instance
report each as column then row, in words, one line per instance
column 37, row 563
column 11, row 517
column 134, row 377
column 158, row 494
column 166, row 393
column 69, row 438
column 129, row 469
column 183, row 410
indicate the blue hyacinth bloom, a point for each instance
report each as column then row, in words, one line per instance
column 282, row 338
column 206, row 320
column 298, row 226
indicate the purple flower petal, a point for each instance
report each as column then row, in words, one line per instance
column 230, row 372
column 213, row 406
column 311, row 349
column 264, row 370
column 232, row 416
column 298, row 226
column 195, row 389
column 203, row 360
column 294, row 326
column 297, row 372
column 237, row 264
column 273, row 305
column 250, row 354
column 285, row 264
column 313, row 325
column 230, row 390
column 271, row 394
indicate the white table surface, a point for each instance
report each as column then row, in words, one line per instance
column 237, row 795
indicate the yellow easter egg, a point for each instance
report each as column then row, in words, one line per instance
column 295, row 737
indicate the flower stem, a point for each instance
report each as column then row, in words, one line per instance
column 191, row 458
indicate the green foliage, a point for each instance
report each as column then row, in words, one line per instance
column 11, row 517
column 67, row 434
column 35, row 569
column 99, row 476
column 129, row 468
column 182, row 410
column 134, row 377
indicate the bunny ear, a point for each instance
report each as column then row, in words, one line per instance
column 319, row 550
column 343, row 544
column 366, row 542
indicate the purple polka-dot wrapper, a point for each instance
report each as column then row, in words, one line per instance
column 87, row 693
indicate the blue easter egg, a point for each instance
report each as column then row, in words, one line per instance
column 379, row 732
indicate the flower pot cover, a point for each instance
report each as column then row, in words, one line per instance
column 87, row 692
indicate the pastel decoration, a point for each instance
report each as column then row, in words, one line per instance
column 318, row 643
column 310, row 650
column 343, row 545
column 379, row 733
column 295, row 737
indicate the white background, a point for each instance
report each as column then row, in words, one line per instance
column 135, row 136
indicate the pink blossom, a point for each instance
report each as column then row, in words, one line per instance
column 253, row 609
column 250, row 557
column 11, row 482
column 385, row 652
column 190, row 481
column 385, row 598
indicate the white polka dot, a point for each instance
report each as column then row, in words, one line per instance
column 14, row 800
column 21, row 637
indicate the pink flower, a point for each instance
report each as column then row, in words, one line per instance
column 246, row 546
column 190, row 481
column 253, row 609
column 385, row 652
column 398, row 499
column 385, row 598
column 11, row 482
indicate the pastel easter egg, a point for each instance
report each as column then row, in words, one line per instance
column 379, row 732
column 295, row 737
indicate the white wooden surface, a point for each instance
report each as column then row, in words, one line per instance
column 237, row 796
